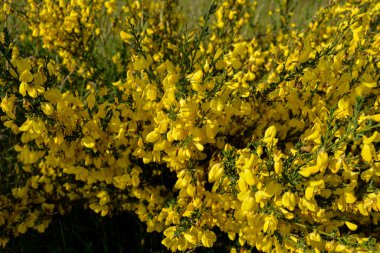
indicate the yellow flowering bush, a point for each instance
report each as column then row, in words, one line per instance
column 268, row 134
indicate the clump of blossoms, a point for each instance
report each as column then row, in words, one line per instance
column 271, row 139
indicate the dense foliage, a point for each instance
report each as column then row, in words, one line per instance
column 266, row 133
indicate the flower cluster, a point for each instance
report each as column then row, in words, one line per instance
column 268, row 134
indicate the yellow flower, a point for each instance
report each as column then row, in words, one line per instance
column 140, row 63
column 47, row 108
column 309, row 192
column 351, row 226
column 153, row 136
column 90, row 101
column 270, row 134
column 270, row 224
column 192, row 235
column 208, row 238
column 289, row 200
column 248, row 203
column 349, row 197
column 322, row 160
column 216, row 172
column 88, row 142
column 366, row 153
column 309, row 170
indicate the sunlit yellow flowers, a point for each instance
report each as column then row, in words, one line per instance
column 88, row 142
column 225, row 135
column 47, row 108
